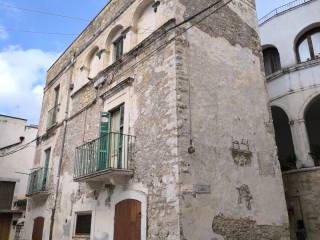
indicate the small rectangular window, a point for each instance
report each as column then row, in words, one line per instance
column 56, row 95
column 83, row 224
column 118, row 48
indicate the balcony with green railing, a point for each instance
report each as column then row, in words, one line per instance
column 38, row 182
column 108, row 157
column 52, row 117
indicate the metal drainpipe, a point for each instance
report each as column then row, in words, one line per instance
column 65, row 122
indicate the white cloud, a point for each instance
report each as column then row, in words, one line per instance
column 22, row 77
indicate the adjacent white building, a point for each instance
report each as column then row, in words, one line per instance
column 291, row 45
column 16, row 160
column 290, row 38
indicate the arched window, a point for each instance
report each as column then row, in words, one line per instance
column 144, row 20
column 308, row 45
column 312, row 120
column 115, row 44
column 284, row 141
column 94, row 63
column 271, row 59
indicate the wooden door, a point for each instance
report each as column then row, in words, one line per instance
column 37, row 228
column 5, row 223
column 127, row 224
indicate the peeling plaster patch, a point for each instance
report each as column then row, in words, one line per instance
column 231, row 28
column 245, row 195
column 246, row 229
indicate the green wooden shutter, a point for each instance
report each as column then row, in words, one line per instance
column 120, row 139
column 46, row 168
column 103, row 153
column 118, row 45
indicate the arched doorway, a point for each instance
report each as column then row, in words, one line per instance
column 284, row 141
column 127, row 221
column 312, row 120
column 38, row 228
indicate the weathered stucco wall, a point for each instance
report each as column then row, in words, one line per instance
column 228, row 105
column 303, row 194
column 156, row 169
column 15, row 167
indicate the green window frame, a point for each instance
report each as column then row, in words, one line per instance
column 47, row 154
column 118, row 48
column 107, row 139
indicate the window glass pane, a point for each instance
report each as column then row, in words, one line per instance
column 83, row 226
column 304, row 52
column 316, row 43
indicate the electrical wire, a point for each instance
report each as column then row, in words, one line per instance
column 154, row 51
column 19, row 149
column 42, row 12
column 37, row 32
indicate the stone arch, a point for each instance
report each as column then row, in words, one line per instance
column 312, row 122
column 115, row 33
column 92, row 62
column 283, row 137
column 271, row 57
column 144, row 20
column 303, row 108
column 284, row 108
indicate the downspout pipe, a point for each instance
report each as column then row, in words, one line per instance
column 65, row 124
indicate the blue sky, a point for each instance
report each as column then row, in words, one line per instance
column 24, row 57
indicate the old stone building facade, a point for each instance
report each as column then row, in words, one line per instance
column 291, row 47
column 155, row 125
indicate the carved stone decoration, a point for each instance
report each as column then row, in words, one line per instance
column 245, row 196
column 241, row 153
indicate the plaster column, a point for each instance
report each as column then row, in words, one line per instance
column 301, row 143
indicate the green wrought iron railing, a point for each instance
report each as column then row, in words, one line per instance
column 111, row 151
column 52, row 116
column 38, row 181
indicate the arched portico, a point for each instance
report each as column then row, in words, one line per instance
column 312, row 121
column 286, row 153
